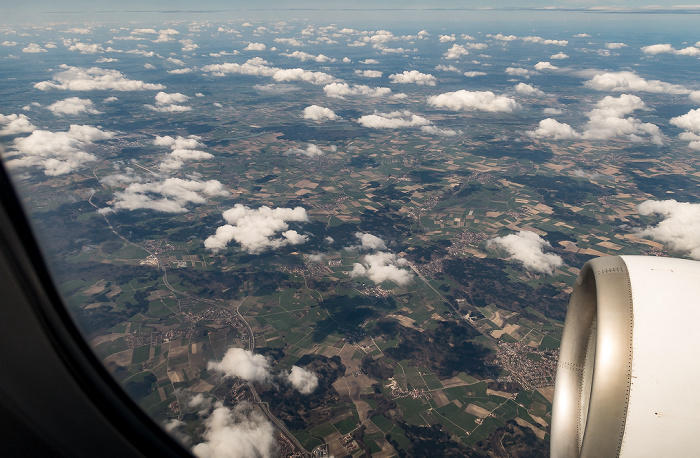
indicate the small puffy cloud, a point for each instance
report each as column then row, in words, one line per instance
column 518, row 71
column 178, row 142
column 188, row 45
column 630, row 81
column 552, row 111
column 243, row 364
column 369, row 61
column 256, row 230
column 473, row 74
column 254, row 66
column 299, row 74
column 369, row 242
column 304, row 56
column 606, row 120
column 393, row 120
column 166, row 36
column 57, row 153
column 310, row 151
column 33, row 48
column 413, row 76
column 342, row 90
column 73, row 106
column 289, row 41
column 92, row 79
column 527, row 248
column 303, row 380
column 558, row 56
column 526, row 89
column 255, row 47
column 382, row 266
column 455, row 52
column 83, row 48
column 691, row 123
column 432, row 130
column 502, row 37
column 8, row 43
column 369, row 73
column 658, row 49
column 15, row 124
column 668, row 49
column 474, row 101
column 544, row 41
column 238, row 433
column 167, row 103
column 169, row 196
column 679, row 228
column 180, row 71
column 582, row 35
column 447, row 38
column 318, row 113
column 106, row 60
column 615, row 45
column 545, row 66
column 447, row 68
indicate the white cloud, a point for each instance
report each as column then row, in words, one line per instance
column 299, row 74
column 255, row 47
column 582, row 35
column 167, row 103
column 318, row 113
column 304, row 56
column 369, row 73
column 255, row 230
column 238, row 433
column 8, row 43
column 518, row 71
column 83, row 48
column 474, row 101
column 606, row 120
column 73, row 106
column 369, row 242
column 455, row 52
column 668, row 49
column 552, row 111
column 413, row 76
column 543, row 41
column 526, row 89
column 33, row 48
column 393, row 120
column 630, row 81
column 447, row 38
column 188, row 45
column 166, row 35
column 447, row 68
column 175, row 194
column 382, row 266
column 254, row 66
column 432, row 130
column 369, row 61
column 180, row 71
column 545, row 66
column 615, row 45
column 310, row 151
column 91, row 79
column 527, row 248
column 341, row 90
column 679, row 228
column 559, row 55
column 303, row 380
column 289, row 41
column 15, row 124
column 472, row 74
column 502, row 37
column 57, row 153
column 106, row 60
column 243, row 364
column 691, row 123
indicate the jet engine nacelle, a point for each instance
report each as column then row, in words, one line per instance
column 628, row 371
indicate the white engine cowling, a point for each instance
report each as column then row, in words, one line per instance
column 628, row 370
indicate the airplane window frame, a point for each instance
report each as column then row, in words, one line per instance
column 54, row 366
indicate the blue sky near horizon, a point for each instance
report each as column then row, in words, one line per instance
column 41, row 11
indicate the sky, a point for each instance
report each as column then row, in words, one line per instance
column 40, row 11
